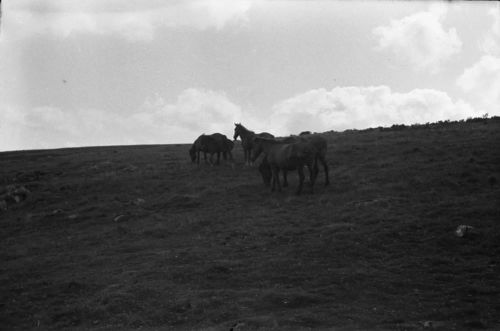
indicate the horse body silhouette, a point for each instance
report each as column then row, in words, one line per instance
column 283, row 156
column 247, row 140
column 320, row 145
column 212, row 144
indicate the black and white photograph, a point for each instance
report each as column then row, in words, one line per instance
column 249, row 165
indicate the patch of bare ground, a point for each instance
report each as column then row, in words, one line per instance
column 128, row 237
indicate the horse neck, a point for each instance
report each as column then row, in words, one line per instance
column 246, row 135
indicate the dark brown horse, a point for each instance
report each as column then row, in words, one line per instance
column 316, row 140
column 212, row 144
column 287, row 156
column 226, row 145
column 266, row 173
column 247, row 138
column 321, row 146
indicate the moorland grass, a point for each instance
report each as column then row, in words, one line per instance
column 127, row 237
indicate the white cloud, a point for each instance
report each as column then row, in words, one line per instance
column 490, row 44
column 420, row 39
column 198, row 111
column 194, row 112
column 482, row 81
column 133, row 20
column 362, row 107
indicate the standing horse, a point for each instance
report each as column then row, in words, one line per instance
column 247, row 139
column 226, row 145
column 212, row 144
column 321, row 146
column 287, row 156
column 319, row 143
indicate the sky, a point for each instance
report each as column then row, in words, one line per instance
column 113, row 72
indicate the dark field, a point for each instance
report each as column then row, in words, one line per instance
column 113, row 238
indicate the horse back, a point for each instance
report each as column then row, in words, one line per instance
column 207, row 144
column 290, row 156
column 319, row 143
column 265, row 135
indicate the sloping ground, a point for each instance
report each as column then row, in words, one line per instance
column 138, row 237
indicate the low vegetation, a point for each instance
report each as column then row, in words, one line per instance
column 128, row 237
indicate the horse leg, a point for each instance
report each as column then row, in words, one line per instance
column 313, row 173
column 198, row 157
column 218, row 158
column 285, row 179
column 325, row 167
column 248, row 157
column 250, row 162
column 273, row 180
column 278, row 179
column 300, row 170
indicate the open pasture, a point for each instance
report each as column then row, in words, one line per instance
column 128, row 237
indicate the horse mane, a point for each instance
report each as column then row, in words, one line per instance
column 270, row 140
column 244, row 128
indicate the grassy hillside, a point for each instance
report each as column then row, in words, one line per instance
column 138, row 237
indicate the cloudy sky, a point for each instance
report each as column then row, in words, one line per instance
column 113, row 72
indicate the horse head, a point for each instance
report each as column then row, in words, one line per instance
column 237, row 130
column 257, row 148
column 192, row 153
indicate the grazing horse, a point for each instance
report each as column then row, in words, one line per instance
column 316, row 140
column 247, row 138
column 226, row 145
column 266, row 173
column 321, row 146
column 287, row 156
column 212, row 144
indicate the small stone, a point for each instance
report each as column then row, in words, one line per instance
column 120, row 218
column 464, row 230
column 139, row 201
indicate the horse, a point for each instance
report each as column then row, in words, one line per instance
column 266, row 173
column 316, row 140
column 247, row 137
column 287, row 156
column 225, row 144
column 212, row 144
column 321, row 146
